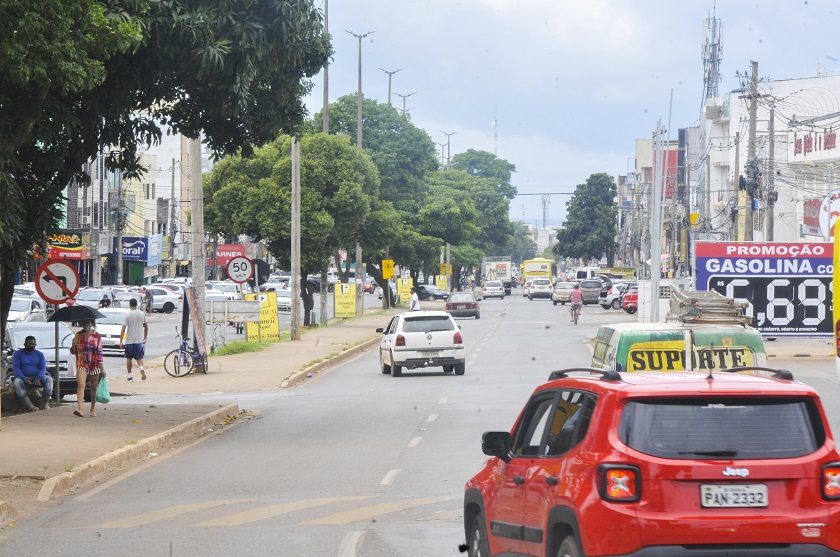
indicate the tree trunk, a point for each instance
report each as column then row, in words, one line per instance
column 8, row 269
column 308, row 301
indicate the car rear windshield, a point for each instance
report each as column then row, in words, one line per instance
column 704, row 428
column 428, row 324
column 461, row 298
column 495, row 283
column 542, row 282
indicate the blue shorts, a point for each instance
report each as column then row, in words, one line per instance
column 134, row 351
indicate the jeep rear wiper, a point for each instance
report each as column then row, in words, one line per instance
column 722, row 452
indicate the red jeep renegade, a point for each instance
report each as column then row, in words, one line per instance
column 660, row 465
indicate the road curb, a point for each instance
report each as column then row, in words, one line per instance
column 68, row 481
column 302, row 375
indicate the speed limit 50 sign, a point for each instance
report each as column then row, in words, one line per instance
column 240, row 269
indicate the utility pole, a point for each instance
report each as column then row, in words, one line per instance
column 752, row 176
column 325, row 113
column 359, row 101
column 442, row 152
column 199, row 260
column 771, row 174
column 324, row 318
column 448, row 148
column 390, row 74
column 295, row 248
column 403, row 98
column 120, row 226
column 736, row 190
column 171, row 226
column 359, row 94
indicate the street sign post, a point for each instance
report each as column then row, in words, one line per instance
column 57, row 281
column 240, row 269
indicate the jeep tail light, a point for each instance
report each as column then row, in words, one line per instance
column 400, row 341
column 831, row 480
column 458, row 339
column 619, row 483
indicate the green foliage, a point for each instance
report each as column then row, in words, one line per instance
column 402, row 152
column 79, row 74
column 482, row 164
column 242, row 346
column 520, row 245
column 590, row 227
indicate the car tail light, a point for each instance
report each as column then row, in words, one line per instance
column 619, row 483
column 400, row 341
column 457, row 339
column 831, row 480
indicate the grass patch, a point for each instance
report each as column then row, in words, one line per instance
column 242, row 346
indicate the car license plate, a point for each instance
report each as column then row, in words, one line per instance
column 461, row 306
column 733, row 495
column 430, row 353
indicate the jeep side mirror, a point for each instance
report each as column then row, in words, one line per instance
column 497, row 443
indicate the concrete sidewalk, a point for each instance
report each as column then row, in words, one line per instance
column 50, row 453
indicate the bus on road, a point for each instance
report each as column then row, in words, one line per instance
column 538, row 268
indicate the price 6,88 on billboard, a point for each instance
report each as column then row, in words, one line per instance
column 788, row 286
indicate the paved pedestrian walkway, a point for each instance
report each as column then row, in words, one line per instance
column 46, row 454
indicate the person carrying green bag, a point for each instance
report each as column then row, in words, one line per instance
column 103, row 395
column 90, row 366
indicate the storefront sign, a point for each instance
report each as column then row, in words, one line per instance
column 226, row 252
column 69, row 244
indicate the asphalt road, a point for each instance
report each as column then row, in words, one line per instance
column 355, row 463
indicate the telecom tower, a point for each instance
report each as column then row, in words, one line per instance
column 711, row 57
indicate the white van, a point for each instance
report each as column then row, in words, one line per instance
column 583, row 273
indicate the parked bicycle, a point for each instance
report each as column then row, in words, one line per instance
column 184, row 359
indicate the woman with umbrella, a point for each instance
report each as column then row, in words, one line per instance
column 87, row 347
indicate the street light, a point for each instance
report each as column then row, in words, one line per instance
column 448, row 148
column 359, row 96
column 403, row 98
column 390, row 73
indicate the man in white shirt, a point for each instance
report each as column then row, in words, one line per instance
column 414, row 305
column 133, row 337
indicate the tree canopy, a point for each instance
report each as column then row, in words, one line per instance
column 482, row 164
column 77, row 75
column 590, row 227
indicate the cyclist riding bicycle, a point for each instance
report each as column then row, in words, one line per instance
column 576, row 299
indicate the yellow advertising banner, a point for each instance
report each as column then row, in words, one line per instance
column 268, row 327
column 444, row 269
column 669, row 355
column 440, row 282
column 404, row 289
column 387, row 268
column 345, row 299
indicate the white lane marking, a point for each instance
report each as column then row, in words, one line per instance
column 431, row 418
column 350, row 543
column 389, row 477
column 414, row 442
column 442, row 400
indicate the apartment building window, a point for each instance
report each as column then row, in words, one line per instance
column 149, row 190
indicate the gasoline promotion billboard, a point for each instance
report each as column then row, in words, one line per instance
column 788, row 286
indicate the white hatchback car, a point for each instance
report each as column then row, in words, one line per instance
column 110, row 327
column 540, row 288
column 420, row 339
column 494, row 289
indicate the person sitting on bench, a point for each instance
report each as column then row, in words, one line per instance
column 29, row 369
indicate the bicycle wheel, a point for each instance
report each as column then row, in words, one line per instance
column 178, row 363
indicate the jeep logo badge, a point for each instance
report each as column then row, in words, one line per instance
column 740, row 472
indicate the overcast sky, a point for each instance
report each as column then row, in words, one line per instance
column 572, row 83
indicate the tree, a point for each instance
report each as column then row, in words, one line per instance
column 590, row 227
column 402, row 152
column 79, row 74
column 482, row 164
column 339, row 189
column 520, row 246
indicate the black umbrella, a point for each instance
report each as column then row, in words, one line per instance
column 77, row 313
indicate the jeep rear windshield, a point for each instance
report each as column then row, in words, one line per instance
column 428, row 324
column 724, row 428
